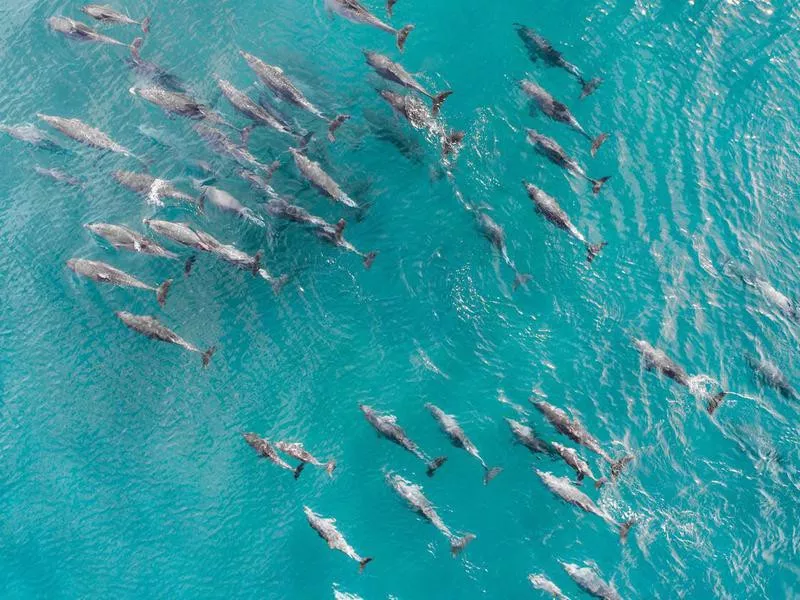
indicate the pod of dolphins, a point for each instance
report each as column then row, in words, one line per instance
column 169, row 94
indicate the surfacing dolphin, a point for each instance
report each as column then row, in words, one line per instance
column 106, row 14
column 590, row 582
column 81, row 31
column 542, row 583
column 497, row 237
column 550, row 149
column 152, row 328
column 298, row 452
column 124, row 238
column 178, row 103
column 354, row 11
column 228, row 203
column 86, row 135
column 333, row 234
column 386, row 426
column 778, row 299
column 394, row 72
column 266, row 450
column 414, row 110
column 326, row 528
column 105, row 273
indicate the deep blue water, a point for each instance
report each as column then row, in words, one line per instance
column 124, row 471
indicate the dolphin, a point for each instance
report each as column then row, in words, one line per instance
column 30, row 134
column 386, row 426
column 417, row 114
column 413, row 495
column 563, row 488
column 178, row 103
column 394, row 72
column 252, row 110
column 258, row 182
column 559, row 112
column 152, row 188
column 282, row 87
column 80, row 31
column 152, row 71
column 317, row 177
column 332, row 234
column 267, row 450
column 542, row 583
column 527, row 437
column 155, row 330
column 354, row 11
column 59, row 176
column 781, row 301
column 590, row 582
column 769, row 374
column 105, row 273
column 122, row 237
column 581, row 467
column 497, row 237
column 223, row 145
column 540, row 48
column 574, row 430
column 237, row 258
column 84, row 134
column 298, row 452
column 184, row 234
column 282, row 209
column 326, row 528
column 226, row 202
column 550, row 149
column 548, row 207
column 106, row 14
column 459, row 439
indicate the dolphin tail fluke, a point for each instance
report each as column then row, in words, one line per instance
column 588, row 87
column 458, row 544
column 435, row 464
column 363, row 563
column 439, row 99
column 329, row 467
column 257, row 262
column 161, row 292
column 136, row 45
column 402, row 35
column 187, row 266
column 714, row 402
column 625, row 528
column 146, row 25
column 279, row 282
column 334, row 125
column 597, row 142
column 207, row 355
column 521, row 279
column 299, row 469
column 451, row 141
column 597, row 184
column 598, row 483
column 369, row 259
column 491, row 474
column 592, row 250
column 389, row 7
column 618, row 465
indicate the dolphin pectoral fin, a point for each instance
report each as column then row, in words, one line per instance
column 369, row 259
column 520, row 280
column 588, row 87
column 389, row 7
column 146, row 25
column 299, row 470
column 329, row 467
column 618, row 465
column 187, row 267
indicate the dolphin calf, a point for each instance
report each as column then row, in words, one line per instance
column 354, row 11
column 590, row 582
column 226, row 202
column 223, row 145
column 106, row 14
column 559, row 112
column 417, row 114
column 319, row 179
column 386, row 426
column 58, row 176
column 563, row 488
column 80, row 31
column 394, row 72
column 459, row 439
column 540, row 48
column 655, row 359
column 413, row 495
column 152, row 71
column 267, row 450
column 124, row 238
column 527, row 437
column 153, row 189
column 298, row 452
column 548, row 207
column 497, row 237
column 178, row 103
column 30, row 134
column 281, row 208
column 769, row 374
column 542, row 583
column 326, row 528
column 550, row 149
column 152, row 328
column 580, row 466
column 252, row 110
column 105, row 273
column 282, row 87
column 574, row 430
column 84, row 134
column 332, row 234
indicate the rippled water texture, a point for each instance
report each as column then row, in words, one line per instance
column 124, row 473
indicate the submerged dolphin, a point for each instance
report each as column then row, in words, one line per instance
column 326, row 528
column 58, row 176
column 550, row 149
column 769, row 374
column 778, row 299
column 590, row 582
column 85, row 134
column 106, row 14
column 152, row 328
column 332, row 234
column 497, row 237
column 282, row 209
column 354, row 11
column 228, row 203
column 394, row 72
column 122, row 237
column 298, row 452
column 80, row 31
column 266, row 450
column 223, row 145
column 152, row 71
column 319, row 179
column 105, row 273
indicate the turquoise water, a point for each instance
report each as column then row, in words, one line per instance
column 124, row 470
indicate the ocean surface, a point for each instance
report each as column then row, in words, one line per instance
column 124, row 472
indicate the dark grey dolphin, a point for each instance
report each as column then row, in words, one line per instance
column 266, row 450
column 326, row 528
column 550, row 149
column 298, row 452
column 394, row 72
column 386, row 426
column 59, row 176
column 178, row 103
column 155, row 330
column 332, row 234
column 223, row 145
column 319, row 179
column 106, row 14
column 420, row 117
column 80, row 31
column 87, row 135
column 527, row 437
column 105, row 273
column 280, row 85
column 547, row 206
column 769, row 374
column 540, row 48
column 228, row 203
column 459, row 439
column 354, row 11
column 152, row 71
column 124, row 238
column 152, row 188
column 590, row 582
column 497, row 237
column 30, row 134
column 283, row 209
column 559, row 112
column 252, row 110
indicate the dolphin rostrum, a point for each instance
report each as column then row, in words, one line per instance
column 326, row 528
column 122, row 237
column 105, row 273
column 152, row 328
column 550, row 149
column 106, row 14
column 267, row 450
column 394, row 72
column 354, row 11
column 298, row 452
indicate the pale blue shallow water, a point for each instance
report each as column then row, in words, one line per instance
column 124, row 473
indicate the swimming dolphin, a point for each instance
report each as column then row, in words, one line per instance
column 497, row 237
column 258, row 182
column 105, row 273
column 326, row 528
column 413, row 495
column 332, row 234
column 319, row 179
column 298, row 452
column 30, row 134
column 226, row 202
column 459, row 439
column 769, row 374
column 574, row 430
column 178, row 103
column 223, row 145
column 548, row 207
column 280, row 85
column 559, row 112
column 394, row 72
column 282, row 209
column 591, row 583
column 124, row 238
column 237, row 258
column 581, row 467
column 84, row 134
column 655, row 359
column 563, row 488
column 354, row 11
column 540, row 48
column 106, row 14
column 527, row 437
column 184, row 234
column 550, row 149
column 386, row 426
column 266, row 450
column 252, row 110
column 153, row 329
column 58, row 176
column 80, row 31
column 420, row 117
column 781, row 301
column 150, row 70
column 151, row 188
column 542, row 583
